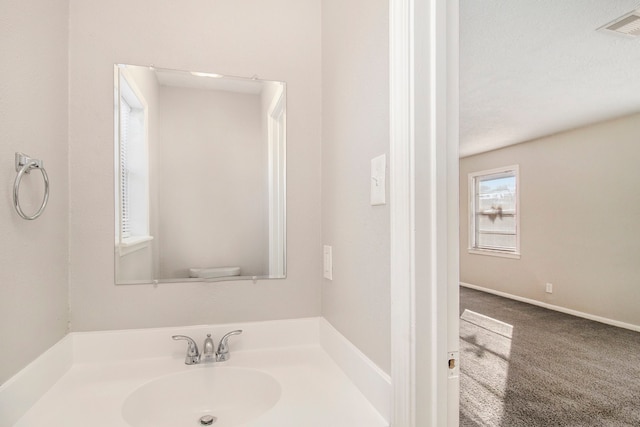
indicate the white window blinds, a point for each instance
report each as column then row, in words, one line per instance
column 134, row 166
column 494, row 210
column 125, row 116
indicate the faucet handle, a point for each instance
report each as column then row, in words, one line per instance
column 223, row 348
column 193, row 354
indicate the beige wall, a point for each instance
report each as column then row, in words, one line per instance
column 580, row 221
column 33, row 119
column 355, row 129
column 277, row 40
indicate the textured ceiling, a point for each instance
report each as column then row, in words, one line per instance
column 530, row 68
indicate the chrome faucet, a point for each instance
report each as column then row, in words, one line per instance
column 193, row 356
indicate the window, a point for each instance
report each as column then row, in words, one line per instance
column 494, row 217
column 133, row 183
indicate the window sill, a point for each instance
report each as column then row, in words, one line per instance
column 133, row 244
column 512, row 255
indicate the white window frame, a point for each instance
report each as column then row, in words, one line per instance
column 513, row 170
column 139, row 237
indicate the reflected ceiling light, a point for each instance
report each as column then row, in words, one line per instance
column 215, row 76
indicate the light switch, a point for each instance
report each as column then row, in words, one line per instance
column 328, row 262
column 378, row 180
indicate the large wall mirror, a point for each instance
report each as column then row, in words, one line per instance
column 200, row 176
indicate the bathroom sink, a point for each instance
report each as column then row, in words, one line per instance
column 206, row 395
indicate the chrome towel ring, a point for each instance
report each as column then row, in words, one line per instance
column 24, row 164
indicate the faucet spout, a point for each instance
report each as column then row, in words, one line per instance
column 208, row 351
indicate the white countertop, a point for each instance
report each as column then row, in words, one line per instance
column 315, row 391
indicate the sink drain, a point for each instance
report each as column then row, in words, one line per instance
column 207, row 420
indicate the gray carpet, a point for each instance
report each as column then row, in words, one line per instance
column 523, row 365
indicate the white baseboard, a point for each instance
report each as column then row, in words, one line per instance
column 372, row 381
column 24, row 389
column 565, row 310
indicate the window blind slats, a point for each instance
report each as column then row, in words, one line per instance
column 125, row 217
column 495, row 211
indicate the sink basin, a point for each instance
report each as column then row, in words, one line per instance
column 228, row 396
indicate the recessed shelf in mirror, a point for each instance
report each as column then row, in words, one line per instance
column 200, row 167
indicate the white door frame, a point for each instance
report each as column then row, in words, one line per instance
column 276, row 125
column 424, row 211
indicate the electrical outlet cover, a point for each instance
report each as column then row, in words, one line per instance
column 327, row 262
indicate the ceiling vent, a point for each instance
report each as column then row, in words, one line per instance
column 627, row 25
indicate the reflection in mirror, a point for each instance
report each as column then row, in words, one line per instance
column 199, row 176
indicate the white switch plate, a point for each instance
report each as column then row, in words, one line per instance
column 327, row 262
column 549, row 288
column 378, row 180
